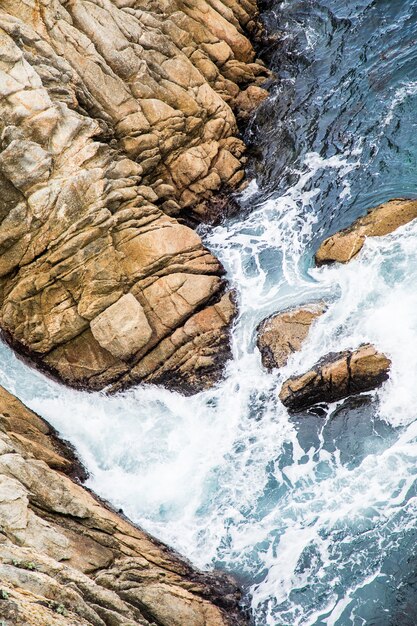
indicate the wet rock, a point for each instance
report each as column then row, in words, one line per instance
column 67, row 558
column 335, row 377
column 384, row 219
column 115, row 118
column 249, row 100
column 282, row 334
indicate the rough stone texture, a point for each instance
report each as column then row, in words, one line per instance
column 282, row 334
column 335, row 377
column 384, row 219
column 116, row 116
column 66, row 559
column 122, row 329
column 249, row 100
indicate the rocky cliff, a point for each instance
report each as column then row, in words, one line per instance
column 117, row 121
column 66, row 559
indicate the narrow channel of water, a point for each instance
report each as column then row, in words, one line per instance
column 316, row 515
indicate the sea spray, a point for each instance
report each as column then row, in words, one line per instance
column 315, row 515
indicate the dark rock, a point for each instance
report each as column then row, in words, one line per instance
column 335, row 377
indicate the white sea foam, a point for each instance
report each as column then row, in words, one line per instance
column 226, row 476
column 195, row 471
column 400, row 95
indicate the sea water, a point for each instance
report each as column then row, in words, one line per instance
column 315, row 515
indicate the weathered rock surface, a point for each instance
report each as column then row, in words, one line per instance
column 66, row 559
column 115, row 117
column 335, row 377
column 384, row 219
column 282, row 334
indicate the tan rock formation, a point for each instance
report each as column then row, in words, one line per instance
column 67, row 559
column 249, row 100
column 335, row 377
column 282, row 334
column 384, row 219
column 116, row 116
column 123, row 328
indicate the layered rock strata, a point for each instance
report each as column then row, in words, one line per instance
column 116, row 118
column 67, row 559
column 282, row 334
column 382, row 220
column 336, row 377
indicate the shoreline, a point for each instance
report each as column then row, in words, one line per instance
column 103, row 283
column 72, row 535
column 68, row 534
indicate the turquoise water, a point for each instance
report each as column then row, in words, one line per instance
column 314, row 514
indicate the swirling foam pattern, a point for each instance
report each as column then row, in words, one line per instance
column 316, row 516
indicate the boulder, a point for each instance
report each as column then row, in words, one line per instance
column 249, row 100
column 384, row 219
column 67, row 558
column 335, row 377
column 282, row 334
column 115, row 119
column 123, row 328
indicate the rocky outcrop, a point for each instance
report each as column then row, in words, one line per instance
column 282, row 334
column 67, row 559
column 117, row 118
column 384, row 219
column 335, row 377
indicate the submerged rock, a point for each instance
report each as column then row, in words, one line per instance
column 282, row 334
column 384, row 219
column 335, row 377
column 67, row 558
column 115, row 118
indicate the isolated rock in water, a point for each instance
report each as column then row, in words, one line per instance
column 335, row 377
column 67, row 559
column 382, row 220
column 282, row 334
column 115, row 117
